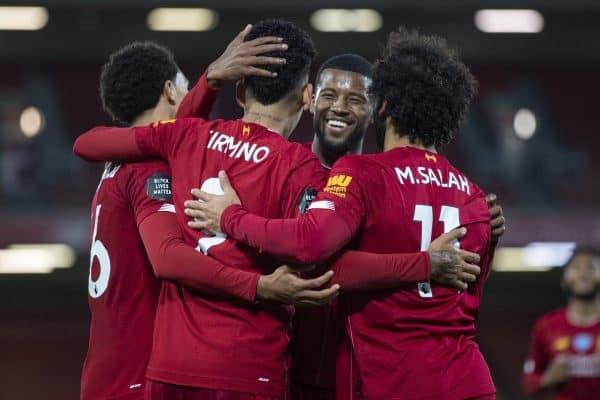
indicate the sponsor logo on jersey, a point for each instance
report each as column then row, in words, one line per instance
column 430, row 176
column 163, row 122
column 158, row 187
column 562, row 343
column 583, row 342
column 430, row 157
column 235, row 148
column 338, row 185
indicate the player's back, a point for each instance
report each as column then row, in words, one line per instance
column 122, row 290
column 423, row 333
column 214, row 342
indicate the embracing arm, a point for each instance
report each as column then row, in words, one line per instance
column 175, row 261
column 310, row 239
column 199, row 101
column 105, row 143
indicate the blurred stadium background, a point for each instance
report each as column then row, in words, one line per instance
column 532, row 138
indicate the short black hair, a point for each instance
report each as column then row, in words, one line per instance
column 346, row 62
column 291, row 75
column 580, row 250
column 132, row 79
column 427, row 87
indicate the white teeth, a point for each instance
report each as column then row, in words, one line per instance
column 336, row 123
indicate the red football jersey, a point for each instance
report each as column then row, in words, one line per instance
column 393, row 202
column 314, row 340
column 405, row 340
column 123, row 292
column 214, row 342
column 553, row 334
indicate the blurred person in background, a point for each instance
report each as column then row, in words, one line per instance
column 564, row 357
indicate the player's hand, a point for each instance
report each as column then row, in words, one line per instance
column 241, row 59
column 208, row 208
column 557, row 372
column 498, row 222
column 451, row 266
column 285, row 286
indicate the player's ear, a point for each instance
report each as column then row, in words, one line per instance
column 381, row 110
column 307, row 97
column 240, row 93
column 312, row 103
column 169, row 92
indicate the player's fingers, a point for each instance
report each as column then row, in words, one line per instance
column 450, row 237
column 496, row 233
column 240, row 36
column 498, row 222
column 460, row 285
column 193, row 213
column 195, row 191
column 225, row 184
column 193, row 204
column 471, row 269
column 263, row 40
column 197, row 224
column 318, row 282
column 322, row 296
column 463, row 276
column 264, row 60
column 491, row 199
column 253, row 71
column 473, row 258
column 265, row 48
column 495, row 211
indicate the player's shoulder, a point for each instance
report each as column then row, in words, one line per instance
column 357, row 161
column 551, row 319
column 296, row 154
column 145, row 167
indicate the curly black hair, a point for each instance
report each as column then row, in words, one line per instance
column 133, row 78
column 346, row 62
column 290, row 76
column 427, row 87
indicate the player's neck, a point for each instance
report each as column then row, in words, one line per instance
column 269, row 117
column 328, row 158
column 394, row 140
column 583, row 313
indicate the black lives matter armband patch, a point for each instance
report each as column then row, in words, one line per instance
column 306, row 198
column 158, row 187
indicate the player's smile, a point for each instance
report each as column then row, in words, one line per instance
column 337, row 127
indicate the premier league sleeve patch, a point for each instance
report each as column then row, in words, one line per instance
column 306, row 198
column 158, row 187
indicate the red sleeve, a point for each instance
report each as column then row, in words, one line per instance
column 158, row 140
column 536, row 362
column 177, row 262
column 199, row 101
column 360, row 271
column 105, row 143
column 331, row 221
column 148, row 189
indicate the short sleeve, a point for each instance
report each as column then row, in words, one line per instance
column 148, row 189
column 163, row 139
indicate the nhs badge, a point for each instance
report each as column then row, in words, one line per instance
column 582, row 342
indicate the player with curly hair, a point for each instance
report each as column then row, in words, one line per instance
column 415, row 343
